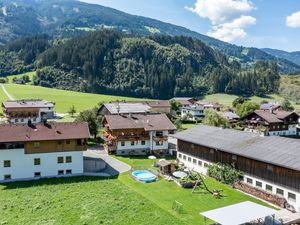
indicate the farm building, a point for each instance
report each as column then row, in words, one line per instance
column 271, row 165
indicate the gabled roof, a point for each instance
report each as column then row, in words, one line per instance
column 27, row 103
column 274, row 150
column 185, row 100
column 125, row 107
column 148, row 122
column 157, row 104
column 276, row 116
column 231, row 115
column 41, row 132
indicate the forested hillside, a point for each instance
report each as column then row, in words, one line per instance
column 68, row 18
column 155, row 67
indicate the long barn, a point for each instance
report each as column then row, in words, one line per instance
column 270, row 164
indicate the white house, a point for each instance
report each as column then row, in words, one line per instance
column 137, row 134
column 193, row 112
column 270, row 164
column 28, row 111
column 42, row 150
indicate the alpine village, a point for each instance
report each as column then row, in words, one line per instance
column 116, row 119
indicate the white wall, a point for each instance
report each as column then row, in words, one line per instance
column 292, row 130
column 189, row 162
column 22, row 165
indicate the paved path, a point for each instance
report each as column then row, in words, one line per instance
column 6, row 92
column 113, row 166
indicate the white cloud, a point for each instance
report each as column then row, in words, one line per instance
column 293, row 20
column 227, row 17
column 233, row 30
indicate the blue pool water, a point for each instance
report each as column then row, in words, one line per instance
column 144, row 176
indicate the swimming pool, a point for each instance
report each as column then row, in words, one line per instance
column 144, row 176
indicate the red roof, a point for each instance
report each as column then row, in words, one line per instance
column 41, row 132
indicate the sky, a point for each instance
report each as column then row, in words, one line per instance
column 251, row 23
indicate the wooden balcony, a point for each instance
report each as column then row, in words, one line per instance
column 160, row 138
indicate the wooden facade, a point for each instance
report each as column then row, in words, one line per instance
column 276, row 174
column 34, row 147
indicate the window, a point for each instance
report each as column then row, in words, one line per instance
column 270, row 168
column 22, row 120
column 249, row 181
column 179, row 156
column 199, row 163
column 34, row 119
column 189, row 159
column 159, row 133
column 60, row 159
column 258, row 184
column 143, row 142
column 122, row 143
column 194, row 161
column 36, row 144
column 60, row 172
column 7, row 177
column 184, row 157
column 192, row 146
column 159, row 143
column 132, row 143
column 7, row 163
column 234, row 157
column 291, row 197
column 37, row 174
column 269, row 188
column 16, row 120
column 68, row 142
column 68, row 171
column 205, row 165
column 79, row 142
column 279, row 192
column 59, row 142
column 211, row 151
column 37, row 161
column 68, row 159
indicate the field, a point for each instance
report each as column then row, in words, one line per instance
column 86, row 200
column 3, row 97
column 30, row 74
column 63, row 99
column 79, row 200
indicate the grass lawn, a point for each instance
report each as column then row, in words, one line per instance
column 189, row 125
column 164, row 193
column 30, row 74
column 227, row 100
column 63, row 99
column 80, row 200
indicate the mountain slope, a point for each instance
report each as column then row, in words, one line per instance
column 290, row 56
column 67, row 18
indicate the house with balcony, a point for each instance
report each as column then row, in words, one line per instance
column 270, row 164
column 136, row 134
column 272, row 122
column 42, row 150
column 192, row 112
column 30, row 111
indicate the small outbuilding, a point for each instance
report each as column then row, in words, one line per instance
column 166, row 167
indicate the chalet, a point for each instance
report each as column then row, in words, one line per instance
column 272, row 122
column 270, row 164
column 270, row 106
column 185, row 101
column 193, row 112
column 136, row 134
column 209, row 105
column 161, row 106
column 115, row 108
column 42, row 150
column 231, row 116
column 28, row 111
